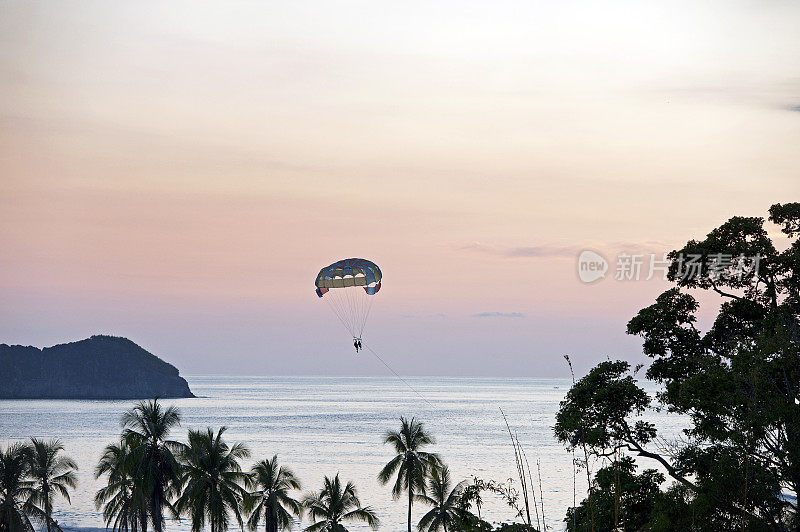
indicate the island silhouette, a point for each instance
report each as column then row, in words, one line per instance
column 100, row 367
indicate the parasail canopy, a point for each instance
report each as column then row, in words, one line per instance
column 347, row 286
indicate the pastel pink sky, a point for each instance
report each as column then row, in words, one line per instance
column 178, row 173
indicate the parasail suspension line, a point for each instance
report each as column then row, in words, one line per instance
column 397, row 375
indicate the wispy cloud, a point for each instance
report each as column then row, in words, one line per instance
column 499, row 315
column 522, row 251
column 542, row 251
column 769, row 93
column 561, row 251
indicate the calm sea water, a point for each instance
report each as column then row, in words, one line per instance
column 324, row 425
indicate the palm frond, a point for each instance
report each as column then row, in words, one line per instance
column 365, row 514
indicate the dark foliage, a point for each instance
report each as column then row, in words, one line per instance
column 739, row 383
column 622, row 497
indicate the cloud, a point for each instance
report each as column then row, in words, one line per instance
column 522, row 251
column 441, row 315
column 749, row 92
column 542, row 251
column 499, row 315
column 561, row 251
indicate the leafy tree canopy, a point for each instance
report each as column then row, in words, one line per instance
column 738, row 381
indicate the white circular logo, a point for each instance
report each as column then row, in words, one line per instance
column 591, row 266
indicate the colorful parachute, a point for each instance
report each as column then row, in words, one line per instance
column 347, row 286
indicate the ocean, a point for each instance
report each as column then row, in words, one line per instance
column 324, row 425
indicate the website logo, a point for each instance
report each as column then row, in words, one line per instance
column 591, row 266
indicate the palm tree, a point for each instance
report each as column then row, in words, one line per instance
column 446, row 511
column 15, row 491
column 411, row 464
column 332, row 505
column 271, row 501
column 145, row 430
column 212, row 480
column 51, row 474
column 122, row 498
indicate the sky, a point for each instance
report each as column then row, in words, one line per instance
column 177, row 173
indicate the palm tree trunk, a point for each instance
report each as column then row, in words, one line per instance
column 156, row 512
column 48, row 508
column 410, row 498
